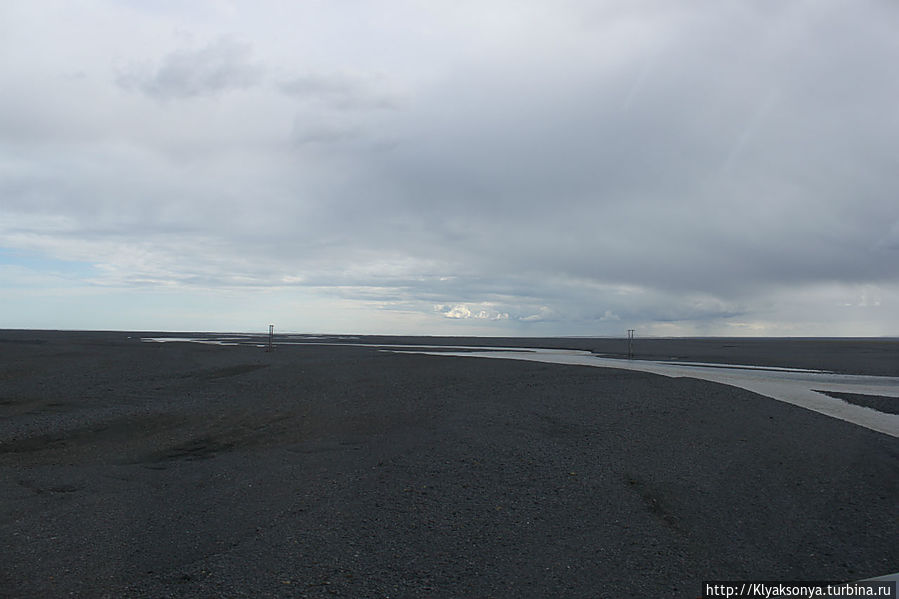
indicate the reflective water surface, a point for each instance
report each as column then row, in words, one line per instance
column 792, row 385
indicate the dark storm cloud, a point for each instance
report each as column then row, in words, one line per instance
column 724, row 172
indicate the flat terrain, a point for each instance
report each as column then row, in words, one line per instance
column 184, row 470
column 874, row 356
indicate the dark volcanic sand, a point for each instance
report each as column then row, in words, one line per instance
column 155, row 470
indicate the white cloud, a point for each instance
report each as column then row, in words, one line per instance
column 465, row 311
column 545, row 313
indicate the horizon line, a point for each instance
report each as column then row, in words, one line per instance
column 461, row 336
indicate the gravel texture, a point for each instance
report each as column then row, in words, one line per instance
column 136, row 469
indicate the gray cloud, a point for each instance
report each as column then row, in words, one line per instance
column 342, row 92
column 580, row 171
column 220, row 66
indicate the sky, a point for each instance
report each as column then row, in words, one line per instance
column 509, row 168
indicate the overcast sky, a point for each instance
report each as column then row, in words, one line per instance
column 553, row 167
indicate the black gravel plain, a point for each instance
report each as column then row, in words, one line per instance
column 135, row 469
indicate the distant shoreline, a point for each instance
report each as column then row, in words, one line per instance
column 877, row 356
column 421, row 336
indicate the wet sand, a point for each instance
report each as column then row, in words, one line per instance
column 183, row 470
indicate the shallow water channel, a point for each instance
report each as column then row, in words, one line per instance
column 804, row 388
column 792, row 385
